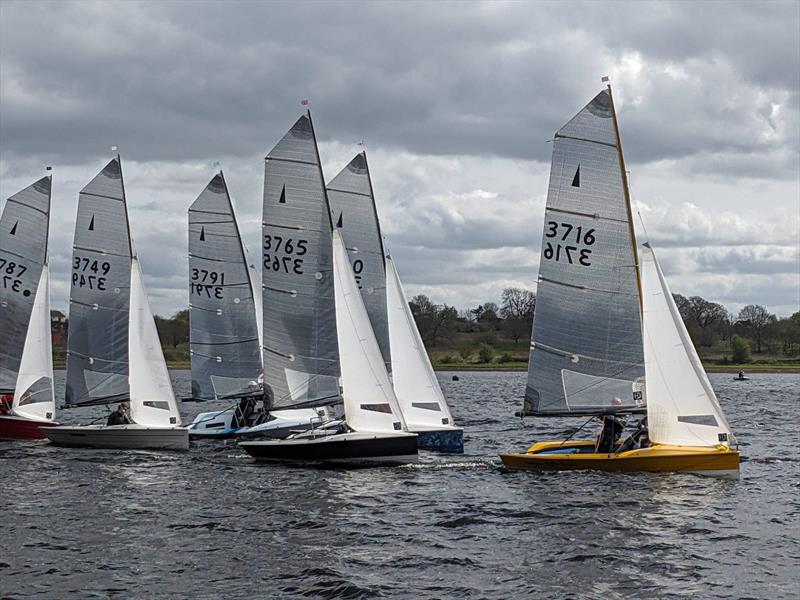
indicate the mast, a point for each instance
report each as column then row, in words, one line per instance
column 627, row 191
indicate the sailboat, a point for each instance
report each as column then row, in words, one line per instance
column 419, row 395
column 114, row 353
column 607, row 339
column 319, row 346
column 27, row 398
column 224, row 333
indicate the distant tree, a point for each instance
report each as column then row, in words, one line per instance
column 433, row 320
column 516, row 302
column 485, row 353
column 175, row 330
column 517, row 310
column 741, row 349
column 704, row 320
column 755, row 319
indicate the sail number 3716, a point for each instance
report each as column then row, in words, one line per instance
column 564, row 234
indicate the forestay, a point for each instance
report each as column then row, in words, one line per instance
column 151, row 396
column 301, row 358
column 224, row 337
column 97, row 357
column 23, row 251
column 418, row 393
column 682, row 409
column 586, row 348
column 370, row 403
column 34, row 397
column 355, row 215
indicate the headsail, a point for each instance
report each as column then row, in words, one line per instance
column 23, row 251
column 34, row 397
column 224, row 338
column 586, row 347
column 97, row 357
column 370, row 403
column 152, row 400
column 682, row 409
column 415, row 384
column 301, row 357
column 355, row 215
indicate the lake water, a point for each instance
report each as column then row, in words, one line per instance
column 212, row 523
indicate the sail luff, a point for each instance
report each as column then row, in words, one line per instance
column 628, row 202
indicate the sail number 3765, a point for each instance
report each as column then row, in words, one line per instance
column 559, row 249
column 284, row 254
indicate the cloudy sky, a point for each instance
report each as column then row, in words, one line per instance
column 456, row 103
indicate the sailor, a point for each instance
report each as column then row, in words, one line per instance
column 5, row 403
column 611, row 430
column 119, row 416
column 244, row 413
column 741, row 374
column 638, row 439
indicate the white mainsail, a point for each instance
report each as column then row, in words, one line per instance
column 151, row 396
column 34, row 397
column 370, row 403
column 682, row 409
column 418, row 393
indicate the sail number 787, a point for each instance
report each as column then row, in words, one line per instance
column 561, row 248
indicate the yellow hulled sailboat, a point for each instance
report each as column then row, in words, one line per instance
column 608, row 339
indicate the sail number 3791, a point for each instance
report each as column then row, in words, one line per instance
column 564, row 234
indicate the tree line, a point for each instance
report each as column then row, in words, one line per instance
column 753, row 330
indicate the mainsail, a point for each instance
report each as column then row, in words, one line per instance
column 586, row 348
column 682, row 409
column 97, row 357
column 301, row 356
column 415, row 384
column 23, row 253
column 370, row 403
column 224, row 337
column 355, row 215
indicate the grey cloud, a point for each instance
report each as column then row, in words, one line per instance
column 192, row 80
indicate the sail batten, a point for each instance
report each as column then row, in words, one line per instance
column 588, row 298
column 299, row 316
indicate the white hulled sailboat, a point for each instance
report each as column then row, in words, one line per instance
column 114, row 353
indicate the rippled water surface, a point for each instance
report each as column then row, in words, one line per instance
column 211, row 523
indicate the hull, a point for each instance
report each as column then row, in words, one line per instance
column 354, row 448
column 720, row 461
column 447, row 439
column 219, row 425
column 128, row 437
column 19, row 428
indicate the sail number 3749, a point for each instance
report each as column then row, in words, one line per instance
column 564, row 234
